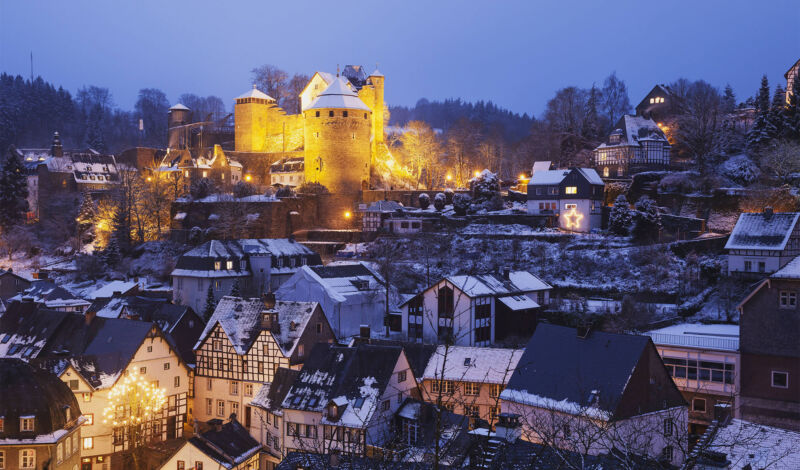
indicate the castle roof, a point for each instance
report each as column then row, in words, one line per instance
column 255, row 93
column 376, row 73
column 338, row 95
column 179, row 107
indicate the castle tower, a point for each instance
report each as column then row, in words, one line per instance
column 56, row 149
column 337, row 139
column 376, row 78
column 251, row 117
column 179, row 115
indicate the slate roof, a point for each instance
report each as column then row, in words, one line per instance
column 559, row 370
column 288, row 165
column 790, row 271
column 472, row 364
column 453, row 435
column 338, row 95
column 384, row 206
column 555, row 177
column 635, row 129
column 750, row 445
column 230, row 446
column 199, row 261
column 762, row 231
column 518, row 282
column 49, row 294
column 270, row 396
column 357, row 376
column 417, row 354
column 313, row 461
column 340, row 280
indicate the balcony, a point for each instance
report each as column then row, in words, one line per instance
column 700, row 342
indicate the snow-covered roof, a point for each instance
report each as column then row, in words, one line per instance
column 201, row 261
column 341, row 280
column 749, row 445
column 635, row 129
column 548, row 177
column 108, row 290
column 376, row 73
column 697, row 335
column 255, row 93
column 591, row 175
column 541, row 166
column 519, row 302
column 762, row 231
column 230, row 446
column 472, row 364
column 790, row 271
column 495, row 284
column 293, row 318
column 179, row 107
column 338, row 95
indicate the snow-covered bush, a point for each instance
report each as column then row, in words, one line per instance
column 461, row 203
column 439, row 201
column 448, row 194
column 484, row 186
column 620, row 219
column 195, row 235
column 740, row 169
column 243, row 189
column 284, row 192
column 684, row 182
column 648, row 220
column 202, row 188
column 424, row 201
column 311, row 188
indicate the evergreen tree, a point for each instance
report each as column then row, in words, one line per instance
column 648, row 221
column 86, row 215
column 778, row 115
column 620, row 219
column 211, row 304
column 762, row 98
column 111, row 255
column 235, row 291
column 793, row 110
column 728, row 100
column 13, row 191
column 591, row 122
column 121, row 231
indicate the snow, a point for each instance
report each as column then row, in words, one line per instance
column 108, row 290
column 564, row 406
column 519, row 302
column 697, row 335
column 179, row 107
column 518, row 282
column 472, row 364
column 255, row 93
column 50, row 438
column 751, row 445
column 338, row 95
column 761, row 231
column 547, row 177
column 790, row 271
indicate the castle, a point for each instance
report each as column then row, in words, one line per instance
column 339, row 132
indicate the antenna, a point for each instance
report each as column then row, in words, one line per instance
column 31, row 66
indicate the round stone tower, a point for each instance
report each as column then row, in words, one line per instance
column 337, row 139
column 179, row 115
column 251, row 117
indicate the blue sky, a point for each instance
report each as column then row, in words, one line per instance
column 515, row 53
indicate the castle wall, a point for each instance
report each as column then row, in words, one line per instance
column 337, row 149
column 251, row 126
column 372, row 96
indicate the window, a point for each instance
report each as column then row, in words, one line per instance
column 762, row 266
column 198, row 465
column 471, row 388
column 788, row 299
column 667, row 453
column 73, row 385
column 668, row 425
column 385, row 405
column 401, row 376
column 652, row 100
column 317, row 114
column 301, row 350
column 780, row 379
column 217, row 265
column 88, row 442
column 27, row 458
column 166, row 366
column 181, row 465
column 217, row 285
column 319, row 328
column 330, row 113
column 248, row 390
column 748, row 266
column 2, row 459
column 216, row 345
column 2, row 424
column 26, row 424
column 699, row 405
column 205, row 174
column 447, row 387
column 571, row 190
column 221, row 408
column 344, row 113
column 445, row 299
column 209, row 406
column 142, row 370
column 700, row 370
column 177, row 381
column 89, row 419
column 234, row 408
column 229, row 265
column 494, row 411
column 209, row 381
column 234, row 387
column 472, row 411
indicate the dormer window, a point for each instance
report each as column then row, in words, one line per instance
column 243, row 264
column 571, row 190
column 229, row 265
column 217, row 265
column 26, row 423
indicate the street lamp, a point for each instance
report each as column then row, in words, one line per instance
column 347, row 214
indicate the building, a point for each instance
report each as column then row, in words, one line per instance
column 762, row 243
column 226, row 446
column 703, row 361
column 418, row 425
column 659, row 104
column 268, row 426
column 48, row 295
column 572, row 384
column 243, row 345
column 475, row 310
column 40, row 419
column 770, row 351
column 63, row 180
column 345, row 398
column 791, row 76
column 258, row 266
column 288, row 172
column 743, row 445
column 374, row 216
column 12, row 284
column 574, row 196
column 351, row 295
column 636, row 144
column 469, row 380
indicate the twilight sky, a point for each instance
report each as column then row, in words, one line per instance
column 515, row 53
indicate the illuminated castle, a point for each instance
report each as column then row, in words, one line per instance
column 339, row 130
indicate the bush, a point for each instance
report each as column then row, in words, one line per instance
column 448, row 194
column 648, row 220
column 243, row 189
column 424, row 201
column 311, row 188
column 620, row 219
column 202, row 188
column 439, row 201
column 284, row 192
column 461, row 204
column 740, row 169
column 195, row 235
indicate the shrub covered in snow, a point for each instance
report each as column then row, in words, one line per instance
column 484, row 186
column 312, row 188
column 620, row 219
column 448, row 194
column 648, row 220
column 740, row 169
column 424, row 200
column 439, row 201
column 684, row 182
column 461, row 204
column 202, row 188
column 284, row 192
column 243, row 189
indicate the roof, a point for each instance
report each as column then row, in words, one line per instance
column 384, row 206
column 355, row 377
column 255, row 93
column 451, row 430
column 341, row 280
column 49, row 294
column 338, row 95
column 697, row 335
column 417, row 354
column 296, row 460
column 790, row 271
column 472, row 364
column 108, row 290
column 750, row 445
column 548, row 177
column 796, row 64
column 230, row 446
column 634, row 129
column 762, row 231
column 271, row 395
column 179, row 107
column 563, row 372
column 518, row 282
column 199, row 261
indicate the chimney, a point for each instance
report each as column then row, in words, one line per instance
column 505, row 272
column 216, row 424
column 508, row 427
column 767, row 212
column 56, row 149
column 364, row 332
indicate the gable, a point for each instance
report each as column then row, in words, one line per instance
column 650, row 387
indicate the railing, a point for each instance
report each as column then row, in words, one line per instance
column 727, row 344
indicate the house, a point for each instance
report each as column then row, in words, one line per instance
column 63, row 179
column 40, row 419
column 12, row 284
column 703, row 361
column 302, row 460
column 475, row 310
column 374, row 215
column 268, row 426
column 345, row 398
column 288, row 172
column 575, row 196
column 257, row 266
column 417, row 427
column 769, row 328
column 571, row 384
column 45, row 293
column 737, row 444
column 226, row 446
column 636, row 144
column 243, row 345
column 791, row 76
column 762, row 243
column 114, row 289
column 351, row 295
column 468, row 380
column 660, row 103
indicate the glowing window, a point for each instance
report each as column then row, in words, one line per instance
column 652, row 100
column 88, row 442
column 205, row 174
column 571, row 190
column 229, row 265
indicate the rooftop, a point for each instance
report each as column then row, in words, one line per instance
column 472, row 364
column 749, row 445
column 762, row 231
column 697, row 335
column 338, row 95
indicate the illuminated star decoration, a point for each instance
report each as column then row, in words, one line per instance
column 573, row 218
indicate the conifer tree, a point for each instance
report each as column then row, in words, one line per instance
column 235, row 291
column 13, row 191
column 211, row 304
column 728, row 100
column 121, row 231
column 648, row 220
column 778, row 114
column 111, row 254
column 762, row 98
column 620, row 219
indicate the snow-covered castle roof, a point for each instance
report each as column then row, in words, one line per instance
column 338, row 95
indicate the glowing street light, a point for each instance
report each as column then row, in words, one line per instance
column 449, row 177
column 247, row 177
column 477, row 173
column 347, row 214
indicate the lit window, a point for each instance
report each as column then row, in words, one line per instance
column 186, row 173
column 26, row 424
column 88, row 442
column 652, row 100
column 205, row 174
column 780, row 379
column 229, row 265
column 89, row 419
column 217, row 265
column 142, row 370
column 27, row 458
column 2, row 424
column 571, row 190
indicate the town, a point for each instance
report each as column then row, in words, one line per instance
column 306, row 275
